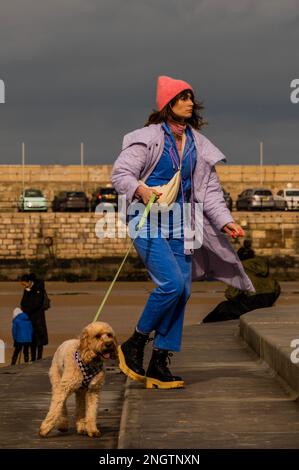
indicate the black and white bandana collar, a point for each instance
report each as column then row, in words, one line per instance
column 88, row 371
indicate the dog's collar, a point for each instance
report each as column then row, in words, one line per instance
column 88, row 371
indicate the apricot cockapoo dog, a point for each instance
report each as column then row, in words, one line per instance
column 78, row 366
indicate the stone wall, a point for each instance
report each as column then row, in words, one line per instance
column 58, row 244
column 66, row 244
column 236, row 178
column 54, row 178
column 50, row 179
column 76, row 251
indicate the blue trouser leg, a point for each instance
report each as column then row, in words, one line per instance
column 170, row 269
column 173, row 325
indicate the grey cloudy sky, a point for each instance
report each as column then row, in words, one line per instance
column 86, row 70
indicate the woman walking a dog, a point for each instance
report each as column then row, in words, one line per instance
column 169, row 155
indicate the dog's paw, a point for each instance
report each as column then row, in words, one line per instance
column 43, row 432
column 81, row 427
column 94, row 433
column 81, row 431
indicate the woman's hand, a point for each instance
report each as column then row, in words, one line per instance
column 233, row 229
column 145, row 193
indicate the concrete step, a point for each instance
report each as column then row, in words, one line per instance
column 273, row 333
column 231, row 400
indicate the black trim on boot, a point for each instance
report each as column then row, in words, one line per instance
column 158, row 374
column 131, row 356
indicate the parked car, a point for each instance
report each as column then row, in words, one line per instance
column 280, row 204
column 255, row 199
column 291, row 196
column 104, row 195
column 70, row 200
column 32, row 200
column 228, row 199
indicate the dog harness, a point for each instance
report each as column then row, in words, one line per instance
column 88, row 371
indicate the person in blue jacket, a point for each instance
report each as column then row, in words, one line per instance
column 22, row 335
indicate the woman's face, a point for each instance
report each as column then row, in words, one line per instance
column 183, row 106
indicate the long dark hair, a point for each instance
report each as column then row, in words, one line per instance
column 166, row 114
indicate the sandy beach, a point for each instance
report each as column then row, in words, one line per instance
column 73, row 305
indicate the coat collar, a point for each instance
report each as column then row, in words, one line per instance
column 149, row 135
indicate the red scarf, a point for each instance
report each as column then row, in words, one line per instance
column 177, row 130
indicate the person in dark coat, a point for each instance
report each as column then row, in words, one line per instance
column 22, row 335
column 239, row 302
column 245, row 252
column 32, row 303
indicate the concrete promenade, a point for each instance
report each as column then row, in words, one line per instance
column 24, row 402
column 232, row 399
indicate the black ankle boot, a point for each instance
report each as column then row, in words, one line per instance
column 131, row 356
column 158, row 374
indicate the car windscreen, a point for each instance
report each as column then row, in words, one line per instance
column 75, row 194
column 107, row 191
column 292, row 193
column 33, row 193
column 263, row 192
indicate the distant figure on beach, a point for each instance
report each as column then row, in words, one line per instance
column 245, row 252
column 240, row 302
column 34, row 302
column 22, row 332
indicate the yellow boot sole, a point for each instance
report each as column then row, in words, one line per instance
column 126, row 370
column 154, row 383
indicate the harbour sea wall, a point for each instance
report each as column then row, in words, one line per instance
column 65, row 245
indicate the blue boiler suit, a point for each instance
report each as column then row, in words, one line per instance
column 168, row 266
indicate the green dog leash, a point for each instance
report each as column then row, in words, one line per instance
column 139, row 226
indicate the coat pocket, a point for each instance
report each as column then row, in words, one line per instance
column 211, row 230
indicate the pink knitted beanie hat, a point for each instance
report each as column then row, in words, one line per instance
column 168, row 88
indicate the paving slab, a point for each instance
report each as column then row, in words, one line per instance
column 24, row 402
column 231, row 400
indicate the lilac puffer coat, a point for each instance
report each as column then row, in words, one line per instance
column 216, row 258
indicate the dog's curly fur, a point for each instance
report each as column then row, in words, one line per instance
column 97, row 340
